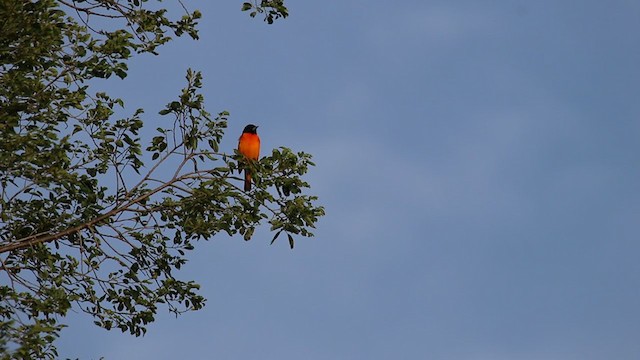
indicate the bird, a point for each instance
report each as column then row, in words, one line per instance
column 249, row 146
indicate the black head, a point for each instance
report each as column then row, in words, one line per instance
column 251, row 129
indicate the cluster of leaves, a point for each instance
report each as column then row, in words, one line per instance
column 271, row 9
column 93, row 215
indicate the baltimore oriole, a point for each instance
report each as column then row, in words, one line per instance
column 249, row 146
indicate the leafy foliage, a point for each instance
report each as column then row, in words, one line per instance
column 271, row 9
column 93, row 215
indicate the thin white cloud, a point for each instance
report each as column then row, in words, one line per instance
column 432, row 23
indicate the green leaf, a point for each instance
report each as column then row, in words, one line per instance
column 275, row 237
column 290, row 240
column 248, row 233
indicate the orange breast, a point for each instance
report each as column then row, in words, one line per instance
column 249, row 145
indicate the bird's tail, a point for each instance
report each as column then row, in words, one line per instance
column 247, row 180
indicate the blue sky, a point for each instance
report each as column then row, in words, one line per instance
column 479, row 163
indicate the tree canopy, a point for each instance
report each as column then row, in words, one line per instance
column 95, row 213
